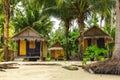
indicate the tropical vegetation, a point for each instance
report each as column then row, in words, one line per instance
column 18, row 14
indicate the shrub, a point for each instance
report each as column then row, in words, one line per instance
column 1, row 56
column 48, row 56
column 94, row 53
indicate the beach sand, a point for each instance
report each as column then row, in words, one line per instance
column 51, row 72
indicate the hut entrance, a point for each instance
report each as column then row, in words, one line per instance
column 33, row 48
column 101, row 43
column 89, row 42
column 22, row 47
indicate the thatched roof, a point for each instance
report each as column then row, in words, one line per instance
column 56, row 46
column 94, row 32
column 29, row 34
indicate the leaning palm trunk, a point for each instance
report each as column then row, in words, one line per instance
column 81, row 38
column 116, row 55
column 6, row 8
column 111, row 66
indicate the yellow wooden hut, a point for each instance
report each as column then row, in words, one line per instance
column 31, row 44
column 95, row 36
column 56, row 51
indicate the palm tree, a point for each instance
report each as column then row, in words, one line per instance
column 63, row 11
column 103, row 8
column 111, row 66
column 32, row 16
column 6, row 9
column 81, row 9
column 116, row 54
column 66, row 17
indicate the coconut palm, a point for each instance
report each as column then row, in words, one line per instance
column 81, row 10
column 116, row 55
column 64, row 13
column 103, row 8
column 32, row 16
column 111, row 66
column 6, row 9
column 5, row 14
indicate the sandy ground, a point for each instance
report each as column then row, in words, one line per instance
column 47, row 72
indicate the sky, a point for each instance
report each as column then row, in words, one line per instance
column 56, row 23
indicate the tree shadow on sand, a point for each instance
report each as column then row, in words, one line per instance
column 3, row 67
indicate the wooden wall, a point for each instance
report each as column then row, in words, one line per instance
column 22, row 48
column 52, row 53
column 93, row 42
column 56, row 54
column 44, row 49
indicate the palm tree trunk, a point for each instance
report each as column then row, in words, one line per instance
column 116, row 54
column 6, row 8
column 111, row 66
column 66, row 36
column 81, row 38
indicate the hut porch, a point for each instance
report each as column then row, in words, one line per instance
column 31, row 44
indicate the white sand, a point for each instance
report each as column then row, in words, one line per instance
column 42, row 72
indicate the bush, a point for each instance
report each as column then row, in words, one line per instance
column 48, row 59
column 1, row 56
column 48, row 56
column 94, row 53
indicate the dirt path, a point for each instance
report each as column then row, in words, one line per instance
column 43, row 72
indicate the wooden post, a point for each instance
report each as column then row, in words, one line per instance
column 46, row 51
column 41, row 49
column 15, row 54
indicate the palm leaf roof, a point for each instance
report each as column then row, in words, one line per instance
column 94, row 32
column 29, row 34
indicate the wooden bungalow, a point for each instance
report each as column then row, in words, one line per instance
column 95, row 36
column 56, row 51
column 31, row 44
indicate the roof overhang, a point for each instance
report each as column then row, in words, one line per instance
column 29, row 34
column 55, row 48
